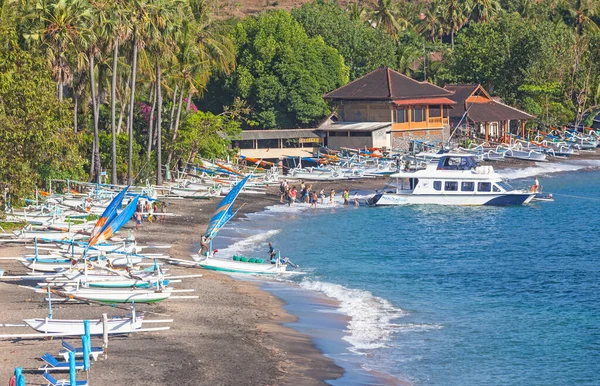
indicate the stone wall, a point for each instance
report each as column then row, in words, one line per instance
column 402, row 140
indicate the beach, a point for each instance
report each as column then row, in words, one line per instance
column 232, row 334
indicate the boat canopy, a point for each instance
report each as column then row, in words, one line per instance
column 452, row 162
column 224, row 211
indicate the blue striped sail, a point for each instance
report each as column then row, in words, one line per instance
column 109, row 214
column 117, row 223
column 224, row 211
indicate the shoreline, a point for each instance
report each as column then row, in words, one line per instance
column 239, row 332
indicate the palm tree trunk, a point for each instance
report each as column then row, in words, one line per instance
column 113, row 113
column 170, row 156
column 124, row 103
column 94, row 172
column 131, row 101
column 159, row 179
column 151, row 124
column 75, row 108
column 452, row 38
column 189, row 101
column 173, row 107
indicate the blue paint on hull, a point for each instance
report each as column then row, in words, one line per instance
column 509, row 199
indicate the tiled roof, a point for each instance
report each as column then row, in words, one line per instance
column 357, row 126
column 386, row 84
column 491, row 111
column 278, row 134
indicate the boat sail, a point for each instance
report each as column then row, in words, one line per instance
column 221, row 216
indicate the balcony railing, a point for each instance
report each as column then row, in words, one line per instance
column 431, row 123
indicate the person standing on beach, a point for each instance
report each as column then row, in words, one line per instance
column 293, row 193
column 282, row 188
column 204, row 245
column 313, row 200
column 302, row 190
column 346, row 196
column 149, row 211
column 332, row 197
column 138, row 219
column 356, row 199
column 322, row 195
column 272, row 254
column 308, row 195
column 163, row 210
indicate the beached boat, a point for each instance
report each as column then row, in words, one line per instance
column 221, row 216
column 454, row 179
column 117, row 325
column 118, row 295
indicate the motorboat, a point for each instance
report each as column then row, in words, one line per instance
column 453, row 179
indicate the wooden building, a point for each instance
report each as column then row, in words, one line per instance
column 385, row 101
column 274, row 144
column 489, row 116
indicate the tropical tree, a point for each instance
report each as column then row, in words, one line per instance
column 363, row 47
column 386, row 16
column 455, row 16
column 485, row 10
column 59, row 25
column 582, row 13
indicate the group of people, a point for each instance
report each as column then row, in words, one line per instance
column 310, row 196
column 152, row 212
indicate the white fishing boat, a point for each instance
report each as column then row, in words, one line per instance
column 454, row 179
column 208, row 260
column 117, row 325
column 118, row 295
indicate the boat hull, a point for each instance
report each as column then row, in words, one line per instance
column 225, row 265
column 393, row 199
column 65, row 326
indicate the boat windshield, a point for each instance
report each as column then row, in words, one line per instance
column 456, row 163
column 505, row 186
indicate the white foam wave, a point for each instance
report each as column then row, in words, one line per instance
column 549, row 168
column 370, row 326
column 249, row 243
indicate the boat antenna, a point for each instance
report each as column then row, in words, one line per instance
column 458, row 124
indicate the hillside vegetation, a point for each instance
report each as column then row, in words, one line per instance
column 132, row 88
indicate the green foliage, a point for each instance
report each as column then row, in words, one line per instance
column 281, row 73
column 105, row 139
column 37, row 142
column 206, row 135
column 363, row 47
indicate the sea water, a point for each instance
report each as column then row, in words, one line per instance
column 436, row 295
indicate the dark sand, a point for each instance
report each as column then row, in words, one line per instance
column 231, row 335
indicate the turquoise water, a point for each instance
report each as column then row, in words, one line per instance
column 451, row 295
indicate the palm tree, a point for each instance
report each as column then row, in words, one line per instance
column 582, row 14
column 455, row 16
column 432, row 20
column 357, row 11
column 163, row 18
column 485, row 10
column 385, row 16
column 59, row 25
column 115, row 31
column 203, row 48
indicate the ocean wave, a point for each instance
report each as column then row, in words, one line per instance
column 549, row 168
column 371, row 317
column 249, row 243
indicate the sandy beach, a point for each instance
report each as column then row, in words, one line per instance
column 232, row 334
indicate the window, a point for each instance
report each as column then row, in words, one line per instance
column 435, row 111
column 437, row 185
column 505, row 185
column 418, row 114
column 268, row 143
column 484, row 187
column 246, row 144
column 360, row 134
column 496, row 189
column 401, row 116
column 467, row 186
column 451, row 186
